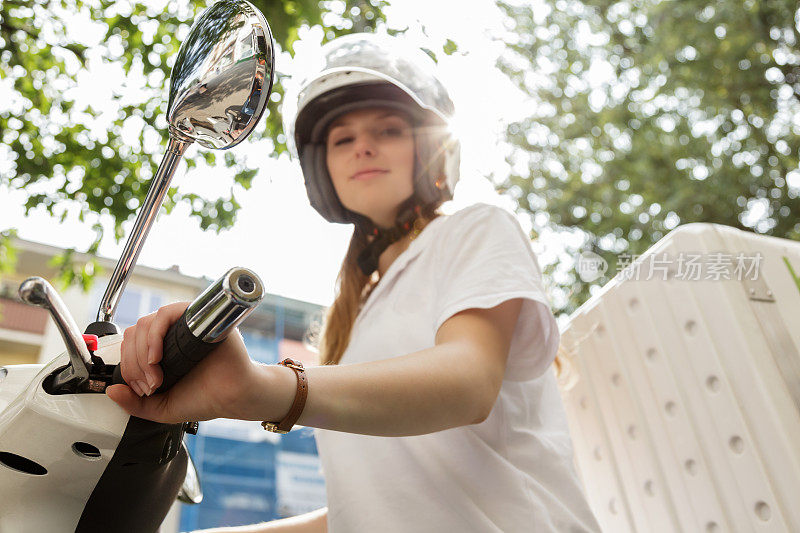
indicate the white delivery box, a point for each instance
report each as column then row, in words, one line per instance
column 683, row 392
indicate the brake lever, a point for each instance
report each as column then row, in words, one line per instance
column 37, row 291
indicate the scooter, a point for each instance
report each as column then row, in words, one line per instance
column 70, row 458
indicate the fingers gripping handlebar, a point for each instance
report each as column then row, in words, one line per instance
column 207, row 321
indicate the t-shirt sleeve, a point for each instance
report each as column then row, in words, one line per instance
column 484, row 260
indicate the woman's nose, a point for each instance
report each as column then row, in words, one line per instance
column 364, row 146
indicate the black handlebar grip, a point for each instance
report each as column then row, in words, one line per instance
column 181, row 352
column 206, row 322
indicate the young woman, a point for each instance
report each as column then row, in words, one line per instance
column 436, row 407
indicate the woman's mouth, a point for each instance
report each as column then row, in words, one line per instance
column 368, row 173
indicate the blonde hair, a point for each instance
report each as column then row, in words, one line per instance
column 352, row 290
column 352, row 286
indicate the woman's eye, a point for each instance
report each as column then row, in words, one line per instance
column 343, row 140
column 392, row 131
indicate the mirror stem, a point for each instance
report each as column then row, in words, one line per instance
column 145, row 219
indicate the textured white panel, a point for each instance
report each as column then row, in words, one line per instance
column 685, row 399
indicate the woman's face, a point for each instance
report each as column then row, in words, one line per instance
column 370, row 157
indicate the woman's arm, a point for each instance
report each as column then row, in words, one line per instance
column 454, row 383
column 313, row 522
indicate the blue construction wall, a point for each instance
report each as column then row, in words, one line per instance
column 261, row 347
column 239, row 479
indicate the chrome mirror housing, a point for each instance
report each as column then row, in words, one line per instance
column 219, row 87
column 222, row 76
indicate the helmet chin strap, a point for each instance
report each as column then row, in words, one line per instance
column 407, row 213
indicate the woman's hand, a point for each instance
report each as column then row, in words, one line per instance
column 215, row 387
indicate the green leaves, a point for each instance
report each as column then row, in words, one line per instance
column 450, row 47
column 245, row 177
column 70, row 271
column 8, row 260
column 8, row 254
column 75, row 151
column 652, row 114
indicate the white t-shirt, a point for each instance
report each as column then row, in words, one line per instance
column 513, row 472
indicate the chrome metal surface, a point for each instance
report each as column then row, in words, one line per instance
column 224, row 304
column 219, row 88
column 191, row 491
column 37, row 291
column 222, row 76
column 144, row 221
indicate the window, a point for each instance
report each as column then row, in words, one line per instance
column 135, row 303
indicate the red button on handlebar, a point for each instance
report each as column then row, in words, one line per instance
column 91, row 342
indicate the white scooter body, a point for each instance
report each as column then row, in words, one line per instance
column 44, row 428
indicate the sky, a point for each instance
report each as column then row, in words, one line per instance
column 277, row 233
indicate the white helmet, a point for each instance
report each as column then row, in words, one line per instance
column 366, row 70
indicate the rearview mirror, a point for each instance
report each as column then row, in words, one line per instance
column 219, row 87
